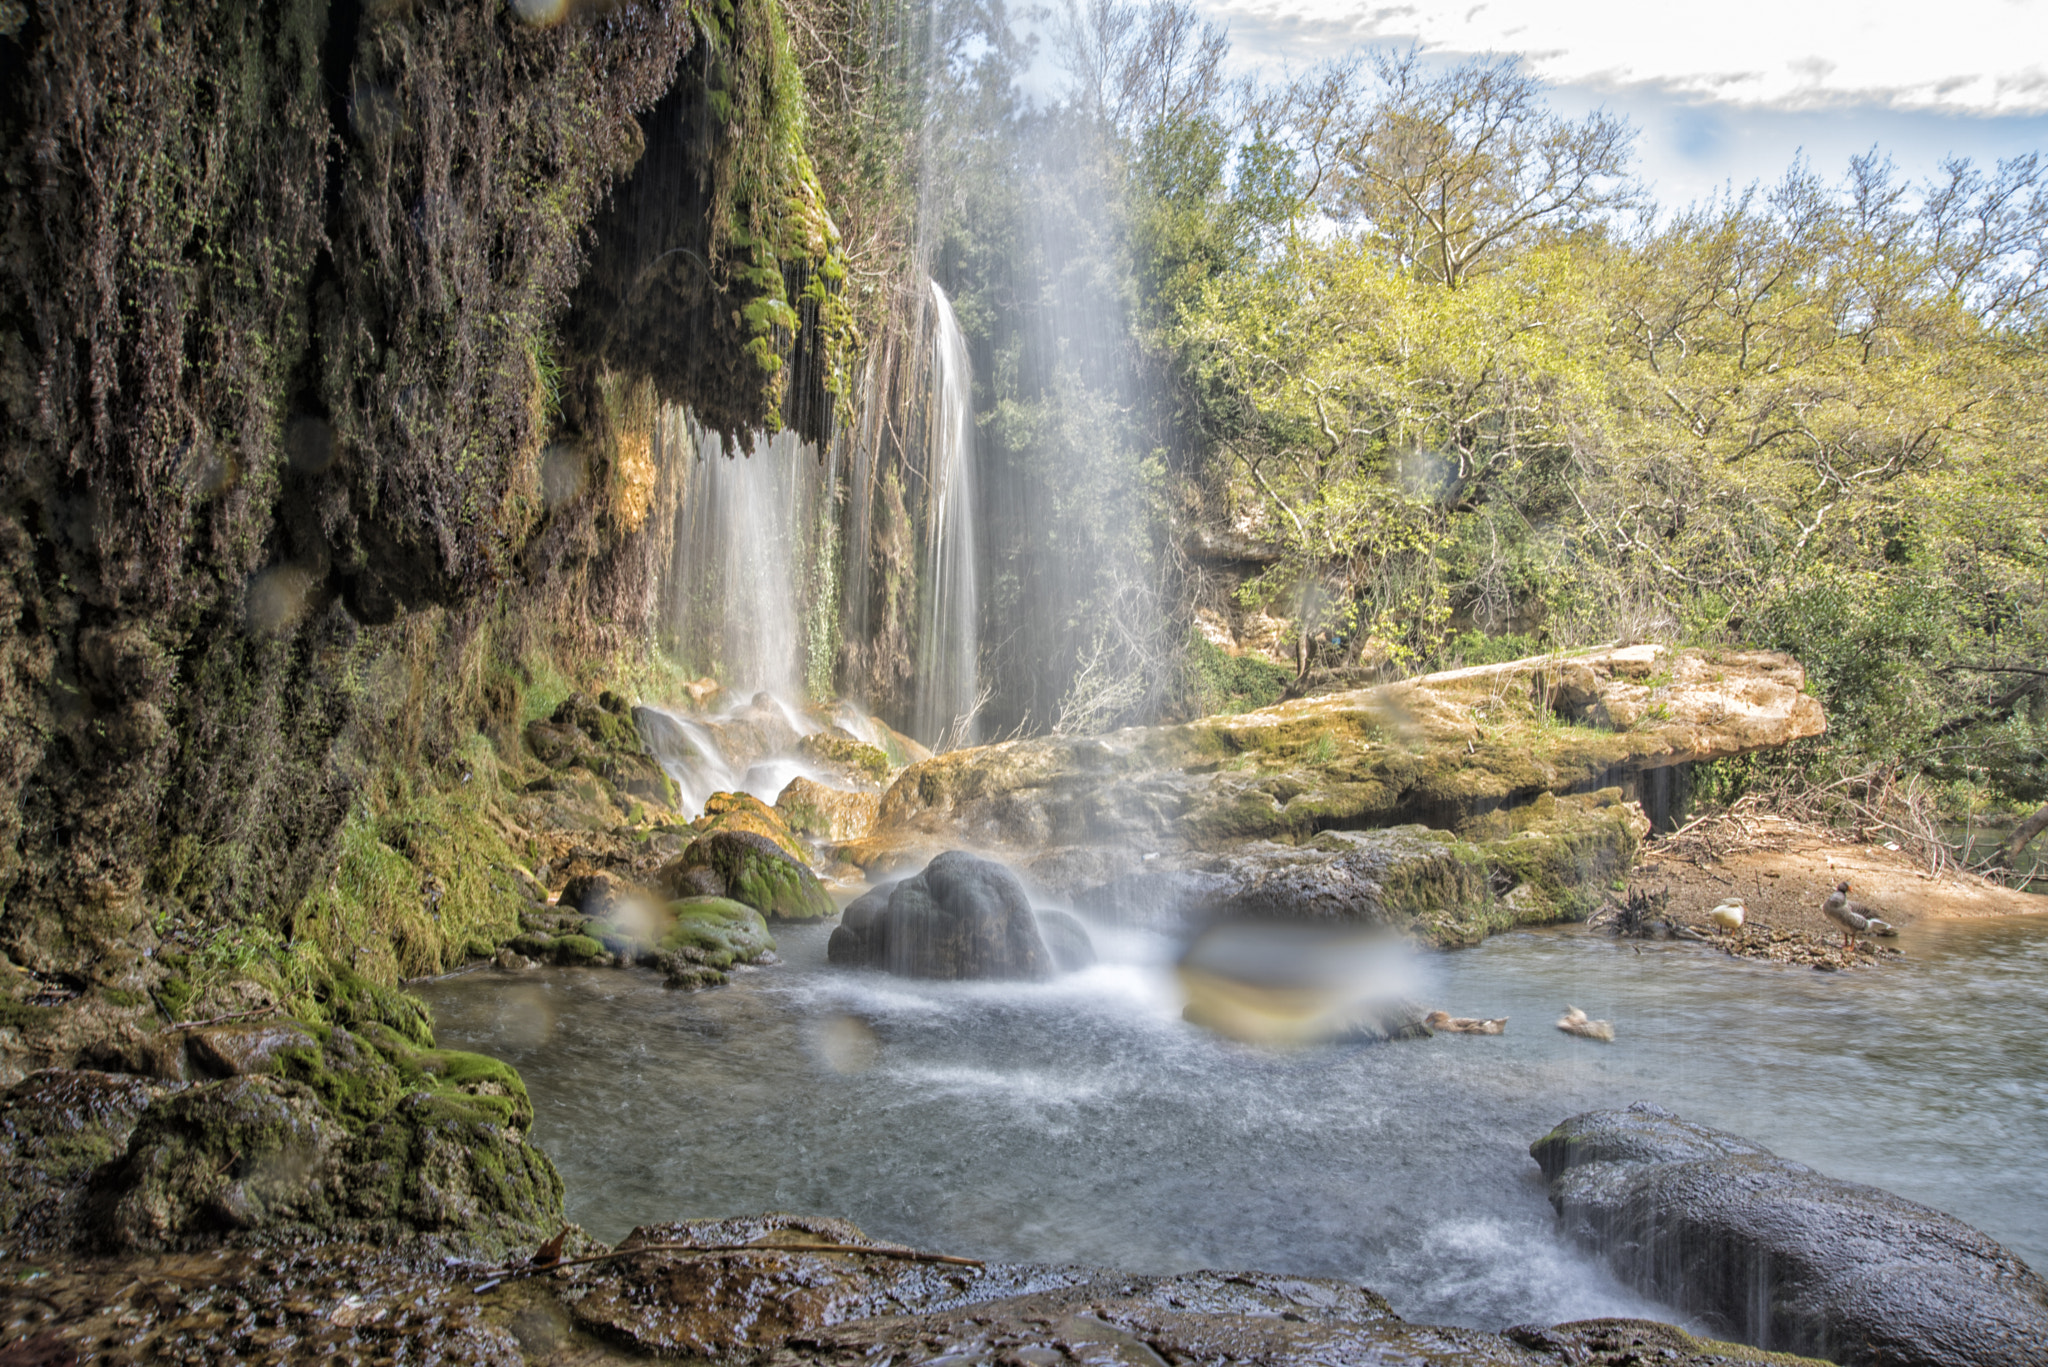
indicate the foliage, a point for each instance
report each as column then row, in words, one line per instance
column 1468, row 395
column 1220, row 683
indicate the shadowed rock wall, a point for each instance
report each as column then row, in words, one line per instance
column 296, row 444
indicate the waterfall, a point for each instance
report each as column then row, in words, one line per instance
column 948, row 678
column 743, row 562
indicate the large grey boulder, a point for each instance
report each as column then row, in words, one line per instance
column 1779, row 1255
column 963, row 917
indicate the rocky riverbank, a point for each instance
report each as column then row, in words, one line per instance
column 778, row 1290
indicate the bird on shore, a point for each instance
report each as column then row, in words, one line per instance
column 1727, row 916
column 1853, row 917
column 1449, row 1024
column 1575, row 1022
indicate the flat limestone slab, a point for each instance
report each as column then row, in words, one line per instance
column 1438, row 749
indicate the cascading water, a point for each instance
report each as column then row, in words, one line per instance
column 741, row 561
column 752, row 562
column 948, row 676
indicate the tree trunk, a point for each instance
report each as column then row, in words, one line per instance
column 2021, row 835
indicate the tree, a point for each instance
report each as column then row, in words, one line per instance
column 1449, row 170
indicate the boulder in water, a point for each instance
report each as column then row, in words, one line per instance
column 748, row 868
column 1785, row 1257
column 963, row 917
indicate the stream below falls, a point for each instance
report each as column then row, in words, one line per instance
column 1083, row 1121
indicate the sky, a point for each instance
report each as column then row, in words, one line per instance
column 1722, row 93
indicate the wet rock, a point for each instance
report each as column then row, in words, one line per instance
column 243, row 1047
column 853, row 760
column 675, row 1304
column 557, row 746
column 827, row 814
column 747, row 868
column 745, row 812
column 57, row 1129
column 602, row 896
column 1777, row 1254
column 665, row 738
column 1067, row 940
column 963, row 917
column 1070, row 1315
column 232, row 1155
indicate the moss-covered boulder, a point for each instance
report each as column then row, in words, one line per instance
column 722, row 931
column 752, row 869
column 745, row 812
column 342, row 1134
column 827, row 814
column 1557, row 857
column 58, row 1128
column 854, row 759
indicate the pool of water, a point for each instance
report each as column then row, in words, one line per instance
column 1084, row 1121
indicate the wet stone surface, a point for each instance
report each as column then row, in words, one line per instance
column 351, row 1304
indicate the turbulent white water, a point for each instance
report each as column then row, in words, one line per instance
column 948, row 676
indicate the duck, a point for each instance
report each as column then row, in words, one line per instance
column 1449, row 1024
column 1727, row 916
column 1853, row 917
column 1574, row 1022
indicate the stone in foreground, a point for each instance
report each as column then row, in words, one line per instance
column 1777, row 1254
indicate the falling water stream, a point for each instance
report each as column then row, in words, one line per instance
column 1083, row 1120
column 947, row 675
column 741, row 559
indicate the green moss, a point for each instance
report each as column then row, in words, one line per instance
column 724, row 932
column 858, row 756
column 757, row 872
column 579, row 949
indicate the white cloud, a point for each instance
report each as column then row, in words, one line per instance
column 1980, row 57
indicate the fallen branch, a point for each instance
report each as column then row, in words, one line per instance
column 879, row 1251
column 223, row 1020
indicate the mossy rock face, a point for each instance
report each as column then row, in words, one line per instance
column 745, row 812
column 752, row 869
column 1548, row 861
column 639, row 776
column 57, row 1128
column 348, row 1134
column 722, row 931
column 604, row 728
column 244, row 1154
column 1560, row 855
column 855, row 758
